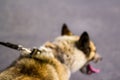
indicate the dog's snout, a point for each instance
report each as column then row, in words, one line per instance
column 97, row 58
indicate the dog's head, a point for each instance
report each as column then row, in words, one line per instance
column 83, row 51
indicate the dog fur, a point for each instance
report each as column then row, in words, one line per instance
column 56, row 60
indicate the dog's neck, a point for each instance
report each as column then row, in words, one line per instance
column 61, row 51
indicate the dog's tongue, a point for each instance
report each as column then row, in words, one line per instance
column 92, row 69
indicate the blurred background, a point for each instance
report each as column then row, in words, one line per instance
column 33, row 22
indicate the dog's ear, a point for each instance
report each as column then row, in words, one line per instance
column 84, row 42
column 65, row 30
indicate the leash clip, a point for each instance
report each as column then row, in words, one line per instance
column 34, row 51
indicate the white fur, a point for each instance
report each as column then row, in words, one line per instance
column 46, row 51
column 78, row 61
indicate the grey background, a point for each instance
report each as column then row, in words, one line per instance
column 32, row 22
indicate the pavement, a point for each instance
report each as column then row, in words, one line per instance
column 33, row 22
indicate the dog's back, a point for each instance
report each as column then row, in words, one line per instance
column 27, row 68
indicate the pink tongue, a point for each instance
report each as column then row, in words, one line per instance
column 93, row 69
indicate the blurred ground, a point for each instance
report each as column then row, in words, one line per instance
column 32, row 22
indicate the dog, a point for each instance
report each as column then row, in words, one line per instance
column 55, row 60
